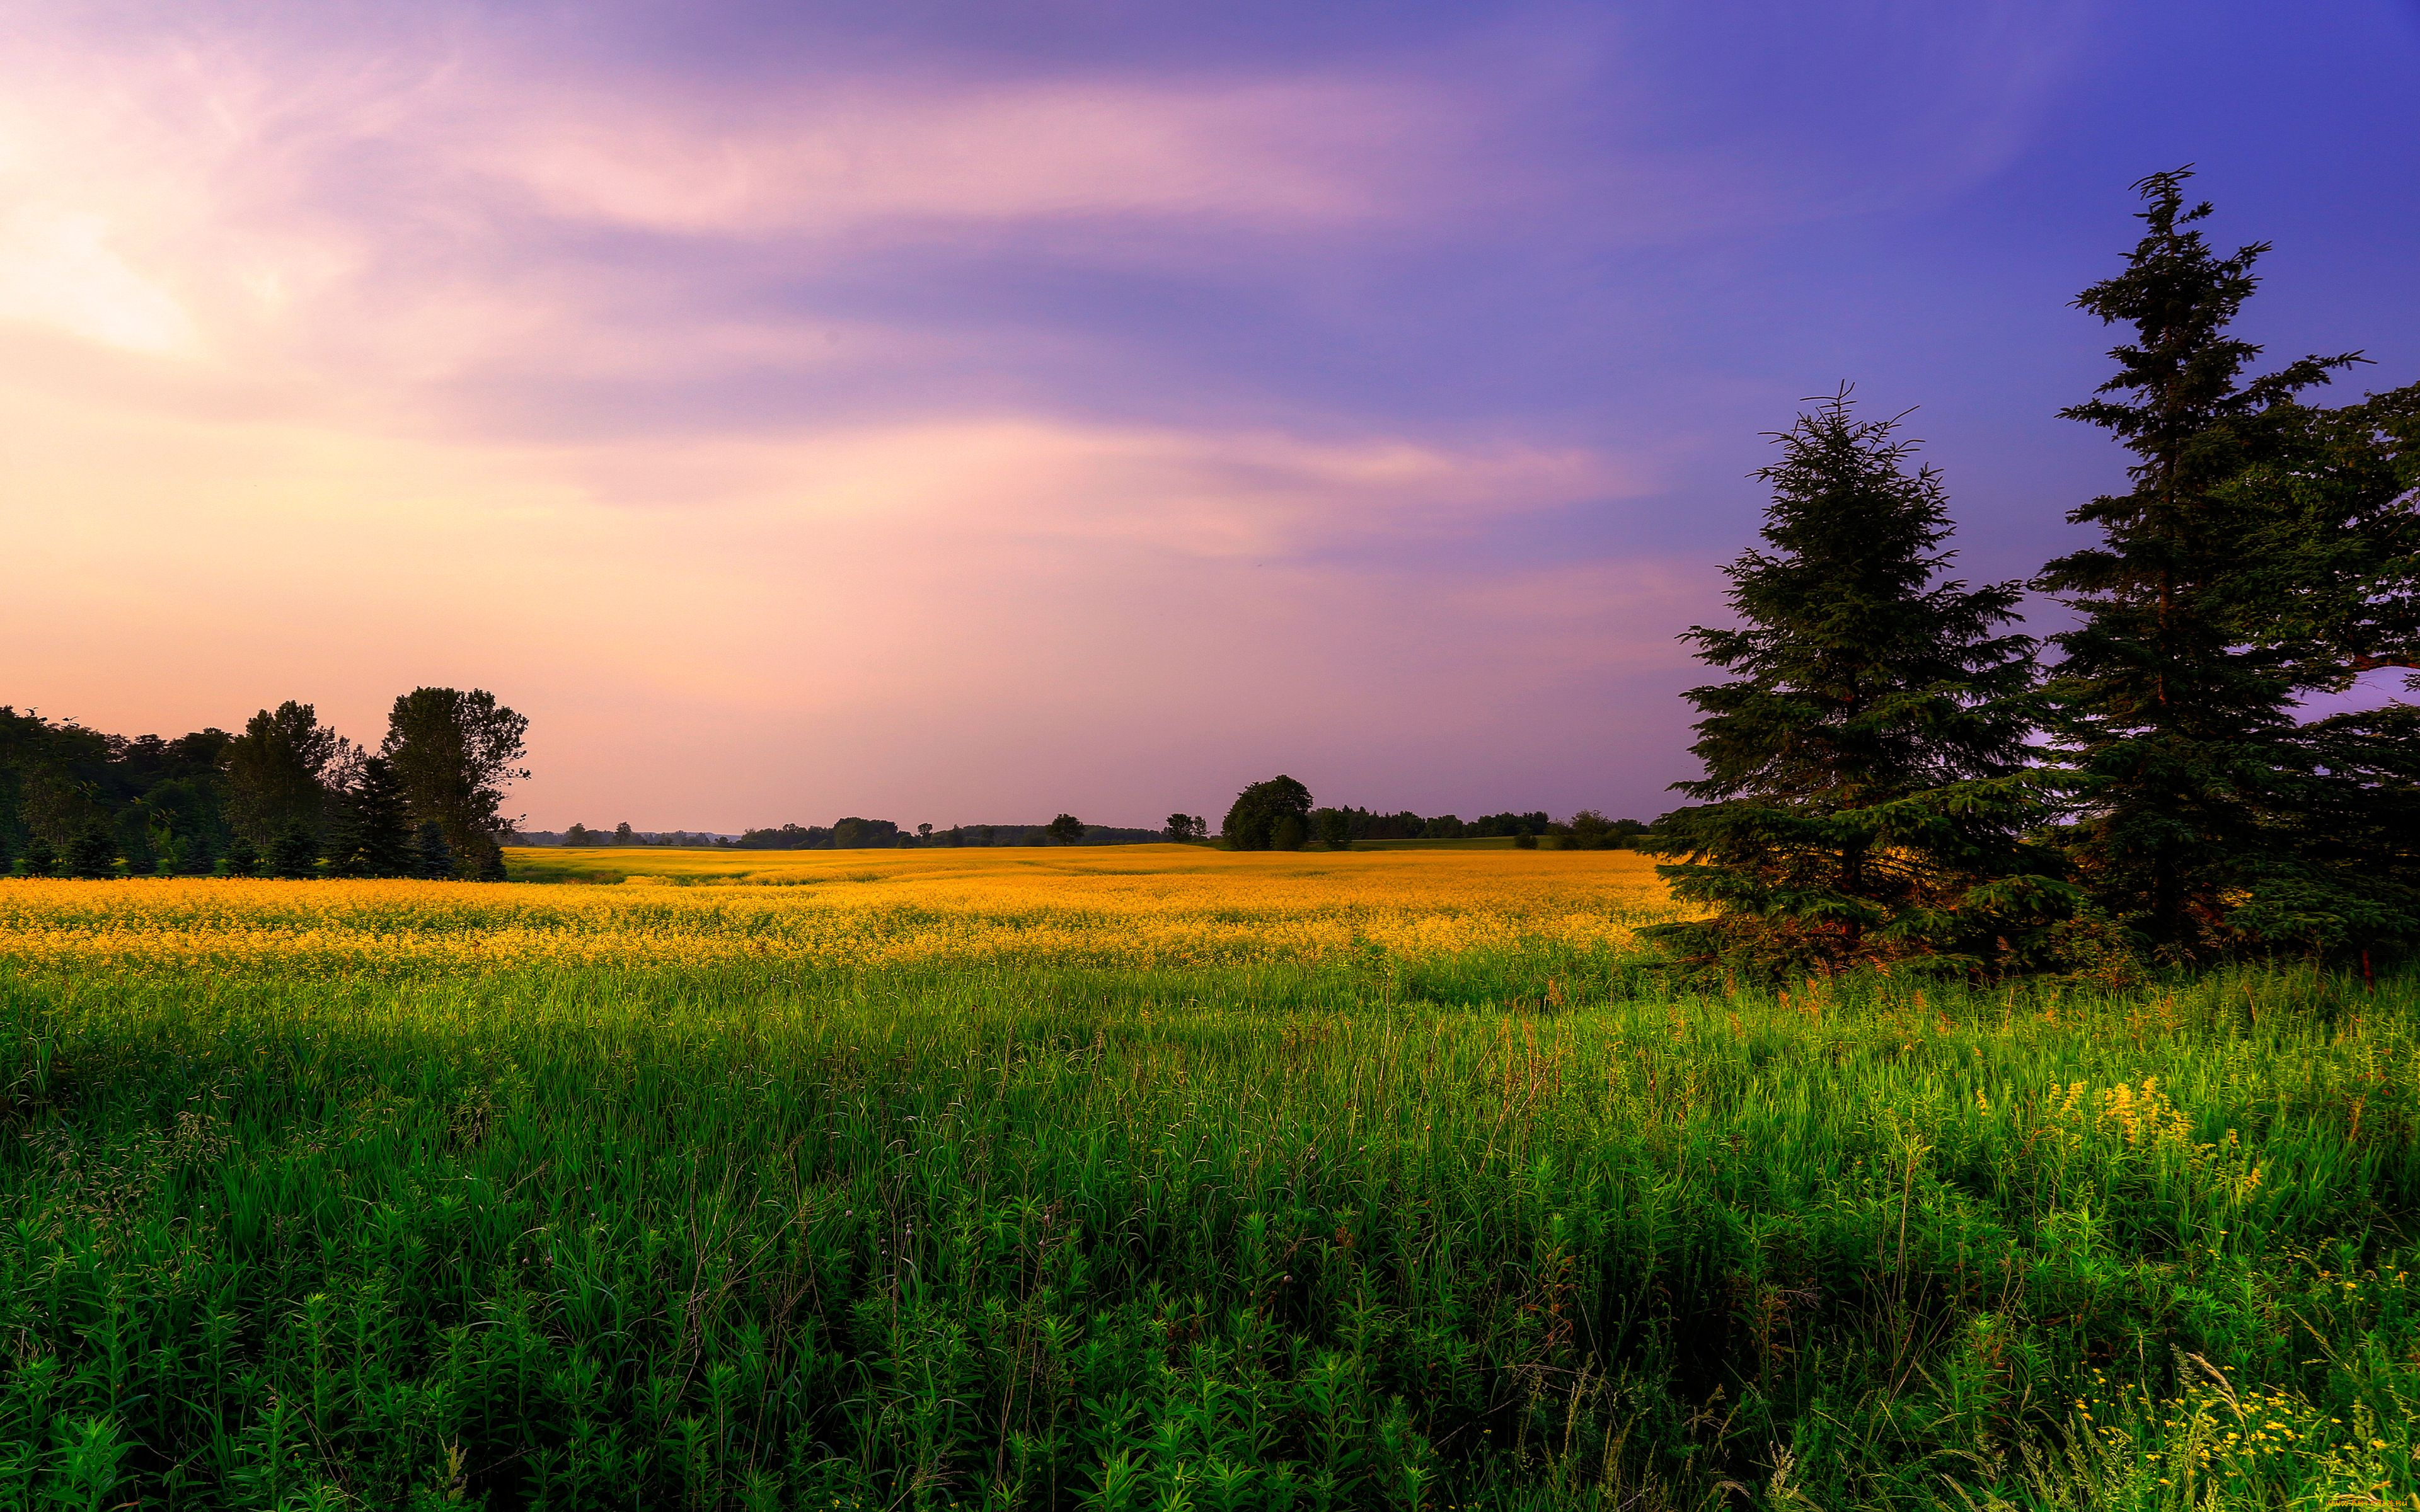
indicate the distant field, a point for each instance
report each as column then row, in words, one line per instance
column 1130, row 908
column 1164, row 1178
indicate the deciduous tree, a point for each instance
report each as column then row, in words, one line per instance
column 1334, row 828
column 1252, row 820
column 276, row 771
column 456, row 751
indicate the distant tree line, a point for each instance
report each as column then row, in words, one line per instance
column 853, row 834
column 1278, row 815
column 286, row 797
column 621, row 834
column 1895, row 772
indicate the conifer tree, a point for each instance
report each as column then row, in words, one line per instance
column 195, row 855
column 2330, row 585
column 93, row 854
column 1866, row 788
column 2245, row 569
column 243, row 858
column 373, row 834
column 296, row 852
column 42, row 858
column 435, row 857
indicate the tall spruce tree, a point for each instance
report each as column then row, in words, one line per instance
column 2330, row 585
column 93, row 854
column 432, row 857
column 372, row 836
column 296, row 852
column 2265, row 551
column 1867, row 771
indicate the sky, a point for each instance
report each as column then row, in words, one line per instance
column 967, row 413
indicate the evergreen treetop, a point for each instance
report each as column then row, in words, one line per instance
column 2243, row 569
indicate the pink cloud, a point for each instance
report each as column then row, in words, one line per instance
column 835, row 159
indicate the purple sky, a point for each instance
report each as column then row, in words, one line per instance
column 967, row 412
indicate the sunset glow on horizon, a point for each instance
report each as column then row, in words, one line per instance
column 967, row 416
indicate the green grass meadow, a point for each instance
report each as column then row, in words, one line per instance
column 1502, row 1231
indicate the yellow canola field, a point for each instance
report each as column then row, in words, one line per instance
column 1137, row 906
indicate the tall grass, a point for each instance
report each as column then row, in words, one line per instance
column 1508, row 1228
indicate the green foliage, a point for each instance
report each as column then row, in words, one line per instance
column 1333, row 828
column 1362, row 1235
column 276, row 771
column 1589, row 831
column 93, row 854
column 157, row 797
column 1184, row 828
column 372, row 833
column 193, row 855
column 42, row 858
column 853, row 833
column 1494, row 826
column 296, row 852
column 1253, row 820
column 132, row 837
column 2263, row 554
column 1866, row 770
column 243, row 858
column 431, row 858
column 454, row 752
column 1066, row 829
